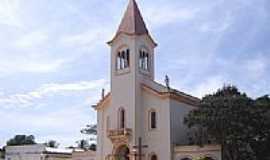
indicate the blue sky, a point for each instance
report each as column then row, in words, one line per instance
column 54, row 60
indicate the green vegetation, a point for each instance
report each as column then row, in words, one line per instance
column 21, row 140
column 2, row 153
column 52, row 144
column 83, row 144
column 90, row 130
column 238, row 122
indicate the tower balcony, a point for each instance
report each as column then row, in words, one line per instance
column 119, row 135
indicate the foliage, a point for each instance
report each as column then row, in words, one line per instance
column 90, row 130
column 93, row 147
column 52, row 144
column 199, row 136
column 2, row 152
column 83, row 144
column 261, row 143
column 232, row 119
column 21, row 140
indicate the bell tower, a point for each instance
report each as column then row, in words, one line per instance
column 132, row 48
column 132, row 62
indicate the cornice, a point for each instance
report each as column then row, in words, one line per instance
column 173, row 94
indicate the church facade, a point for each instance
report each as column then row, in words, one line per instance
column 140, row 118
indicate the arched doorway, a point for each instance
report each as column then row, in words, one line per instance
column 154, row 157
column 185, row 159
column 122, row 153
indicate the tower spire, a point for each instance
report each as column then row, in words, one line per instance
column 132, row 23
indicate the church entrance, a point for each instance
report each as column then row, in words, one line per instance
column 122, row 153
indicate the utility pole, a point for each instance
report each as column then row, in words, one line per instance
column 139, row 147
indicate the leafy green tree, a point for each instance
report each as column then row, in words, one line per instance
column 52, row 144
column 83, row 144
column 231, row 119
column 93, row 147
column 90, row 130
column 2, row 153
column 21, row 140
column 261, row 142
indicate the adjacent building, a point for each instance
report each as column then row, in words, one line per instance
column 37, row 152
column 140, row 117
column 2, row 155
column 83, row 155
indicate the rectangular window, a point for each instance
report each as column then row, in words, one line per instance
column 122, row 119
column 108, row 123
column 128, row 58
column 153, row 117
column 118, row 61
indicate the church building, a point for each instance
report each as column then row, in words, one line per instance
column 140, row 119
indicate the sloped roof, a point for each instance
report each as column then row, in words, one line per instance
column 159, row 90
column 132, row 23
column 164, row 92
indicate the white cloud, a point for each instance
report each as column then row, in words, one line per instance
column 28, row 52
column 253, row 67
column 49, row 125
column 216, row 26
column 89, row 37
column 69, row 87
column 46, row 90
column 9, row 13
column 208, row 86
column 256, row 67
column 14, row 65
column 81, row 39
column 32, row 40
column 169, row 14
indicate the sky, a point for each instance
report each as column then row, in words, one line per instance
column 54, row 60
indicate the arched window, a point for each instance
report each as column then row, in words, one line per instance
column 144, row 60
column 153, row 157
column 122, row 118
column 152, row 119
column 122, row 60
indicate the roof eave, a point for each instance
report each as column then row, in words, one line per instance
column 193, row 101
column 102, row 102
column 131, row 34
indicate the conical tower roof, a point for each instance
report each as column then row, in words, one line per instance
column 132, row 23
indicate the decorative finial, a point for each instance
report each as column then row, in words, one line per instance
column 167, row 81
column 103, row 93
